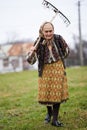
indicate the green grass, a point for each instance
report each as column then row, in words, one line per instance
column 20, row 110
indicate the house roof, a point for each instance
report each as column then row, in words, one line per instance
column 19, row 49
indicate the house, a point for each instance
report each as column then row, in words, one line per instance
column 14, row 60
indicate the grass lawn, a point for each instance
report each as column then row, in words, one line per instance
column 20, row 110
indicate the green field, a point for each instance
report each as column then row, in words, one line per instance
column 20, row 110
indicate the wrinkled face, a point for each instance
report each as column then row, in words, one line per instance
column 48, row 31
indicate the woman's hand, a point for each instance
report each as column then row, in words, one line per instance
column 32, row 49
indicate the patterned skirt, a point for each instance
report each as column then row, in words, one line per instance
column 52, row 86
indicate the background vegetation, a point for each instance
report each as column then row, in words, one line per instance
column 19, row 109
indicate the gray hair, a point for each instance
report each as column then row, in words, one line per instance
column 42, row 26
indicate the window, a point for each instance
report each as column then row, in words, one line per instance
column 5, row 62
column 15, row 63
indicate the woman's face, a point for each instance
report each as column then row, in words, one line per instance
column 48, row 31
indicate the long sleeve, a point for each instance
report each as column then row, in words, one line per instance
column 64, row 46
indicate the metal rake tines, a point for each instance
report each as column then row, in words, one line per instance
column 52, row 7
column 64, row 18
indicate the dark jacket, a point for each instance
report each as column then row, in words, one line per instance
column 61, row 46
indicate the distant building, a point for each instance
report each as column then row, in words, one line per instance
column 14, row 59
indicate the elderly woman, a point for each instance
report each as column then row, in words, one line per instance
column 52, row 82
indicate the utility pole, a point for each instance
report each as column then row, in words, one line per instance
column 80, row 36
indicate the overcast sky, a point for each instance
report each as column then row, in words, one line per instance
column 20, row 19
